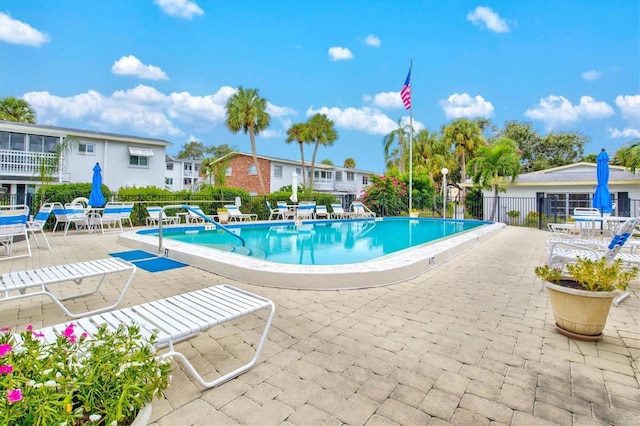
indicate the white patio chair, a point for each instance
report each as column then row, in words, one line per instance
column 36, row 225
column 321, row 212
column 337, row 212
column 154, row 217
column 237, row 215
column 76, row 216
column 125, row 214
column 13, row 223
column 277, row 213
column 358, row 209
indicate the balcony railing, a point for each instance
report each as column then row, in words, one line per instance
column 22, row 163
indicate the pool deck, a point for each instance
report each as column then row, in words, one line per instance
column 470, row 342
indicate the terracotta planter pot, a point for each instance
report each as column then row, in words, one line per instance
column 579, row 313
column 224, row 217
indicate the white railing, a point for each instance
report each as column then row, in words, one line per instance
column 23, row 163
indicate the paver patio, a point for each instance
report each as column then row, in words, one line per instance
column 472, row 341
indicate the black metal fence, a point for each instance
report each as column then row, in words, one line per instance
column 518, row 211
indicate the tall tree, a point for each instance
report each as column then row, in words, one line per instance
column 629, row 156
column 432, row 154
column 247, row 111
column 395, row 154
column 558, row 149
column 298, row 133
column 349, row 163
column 466, row 136
column 526, row 139
column 321, row 131
column 494, row 165
column 16, row 109
column 193, row 150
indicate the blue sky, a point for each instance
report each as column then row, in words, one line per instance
column 165, row 68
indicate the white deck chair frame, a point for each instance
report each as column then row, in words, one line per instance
column 181, row 317
column 33, row 282
column 36, row 225
column 13, row 223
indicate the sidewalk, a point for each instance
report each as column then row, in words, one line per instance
column 471, row 342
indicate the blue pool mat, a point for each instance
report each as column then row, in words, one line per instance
column 133, row 255
column 147, row 261
column 159, row 264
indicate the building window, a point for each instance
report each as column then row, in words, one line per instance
column 86, row 148
column 188, row 167
column 252, row 170
column 338, row 175
column 169, row 166
column 138, row 161
column 277, row 172
column 168, row 181
column 187, row 181
column 365, row 180
column 38, row 143
column 12, row 141
column 228, row 172
column 351, row 176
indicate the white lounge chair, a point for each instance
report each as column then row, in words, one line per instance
column 358, row 209
column 321, row 212
column 125, row 214
column 33, row 282
column 286, row 210
column 154, row 217
column 61, row 216
column 276, row 213
column 36, row 226
column 562, row 251
column 110, row 218
column 180, row 318
column 305, row 211
column 337, row 212
column 196, row 215
column 13, row 223
column 237, row 215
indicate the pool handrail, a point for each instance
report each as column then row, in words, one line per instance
column 207, row 219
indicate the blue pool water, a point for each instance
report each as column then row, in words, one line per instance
column 324, row 243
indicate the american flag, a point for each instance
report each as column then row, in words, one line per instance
column 405, row 93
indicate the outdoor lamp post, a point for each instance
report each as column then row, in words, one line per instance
column 444, row 192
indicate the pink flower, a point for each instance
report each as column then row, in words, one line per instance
column 14, row 395
column 68, row 332
column 84, row 335
column 29, row 327
column 5, row 349
column 6, row 369
column 5, row 329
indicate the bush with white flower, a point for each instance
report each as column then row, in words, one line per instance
column 102, row 379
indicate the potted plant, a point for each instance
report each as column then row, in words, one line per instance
column 513, row 216
column 414, row 212
column 223, row 215
column 107, row 378
column 581, row 298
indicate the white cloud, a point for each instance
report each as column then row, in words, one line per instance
column 372, row 40
column 384, row 100
column 180, row 8
column 484, row 16
column 130, row 65
column 463, row 105
column 337, row 53
column 277, row 111
column 557, row 111
column 270, row 134
column 366, row 119
column 17, row 32
column 629, row 107
column 591, row 75
column 627, row 133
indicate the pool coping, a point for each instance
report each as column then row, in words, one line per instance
column 389, row 269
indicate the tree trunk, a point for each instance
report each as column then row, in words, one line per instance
column 313, row 164
column 255, row 160
column 304, row 175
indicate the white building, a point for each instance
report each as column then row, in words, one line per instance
column 126, row 161
column 181, row 173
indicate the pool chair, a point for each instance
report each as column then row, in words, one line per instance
column 154, row 217
column 276, row 213
column 321, row 212
column 13, row 223
column 61, row 216
column 305, row 211
column 109, row 220
column 76, row 216
column 338, row 212
column 562, row 252
column 237, row 215
column 125, row 214
column 360, row 210
column 36, row 226
column 286, row 211
column 196, row 215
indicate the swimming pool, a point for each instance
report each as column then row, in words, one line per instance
column 323, row 243
column 391, row 268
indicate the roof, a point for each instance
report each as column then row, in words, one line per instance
column 65, row 131
column 297, row 163
column 575, row 174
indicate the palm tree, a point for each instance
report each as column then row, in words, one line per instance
column 349, row 163
column 48, row 166
column 297, row 133
column 246, row 111
column 395, row 156
column 466, row 136
column 494, row 165
column 18, row 110
column 321, row 131
column 432, row 153
column 629, row 156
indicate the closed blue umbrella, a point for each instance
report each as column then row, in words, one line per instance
column 602, row 197
column 96, row 199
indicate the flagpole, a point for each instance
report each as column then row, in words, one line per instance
column 411, row 139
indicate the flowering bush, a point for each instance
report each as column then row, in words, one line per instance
column 102, row 379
